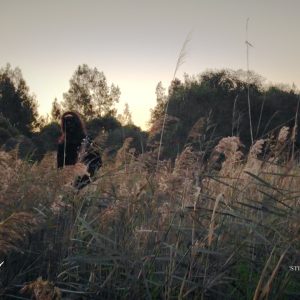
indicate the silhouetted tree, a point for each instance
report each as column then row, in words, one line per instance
column 214, row 104
column 102, row 124
column 125, row 118
column 161, row 100
column 48, row 136
column 56, row 111
column 6, row 130
column 117, row 137
column 26, row 149
column 89, row 93
column 16, row 104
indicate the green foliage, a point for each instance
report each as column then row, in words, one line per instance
column 173, row 140
column 47, row 138
column 98, row 125
column 56, row 111
column 26, row 149
column 4, row 135
column 35, row 147
column 89, row 93
column 221, row 97
column 161, row 99
column 16, row 104
column 6, row 130
column 117, row 137
column 116, row 133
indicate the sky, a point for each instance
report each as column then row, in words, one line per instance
column 136, row 43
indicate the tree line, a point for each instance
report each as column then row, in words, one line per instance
column 214, row 104
column 89, row 94
column 201, row 110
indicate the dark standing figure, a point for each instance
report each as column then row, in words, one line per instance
column 75, row 146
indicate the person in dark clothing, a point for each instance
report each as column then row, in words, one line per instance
column 74, row 146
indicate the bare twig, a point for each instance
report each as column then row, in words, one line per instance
column 180, row 61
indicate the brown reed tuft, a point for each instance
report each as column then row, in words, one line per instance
column 41, row 290
column 15, row 230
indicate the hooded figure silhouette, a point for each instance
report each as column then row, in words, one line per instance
column 74, row 146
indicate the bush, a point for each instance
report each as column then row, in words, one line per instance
column 26, row 149
column 6, row 130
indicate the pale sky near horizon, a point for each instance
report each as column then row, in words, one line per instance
column 136, row 43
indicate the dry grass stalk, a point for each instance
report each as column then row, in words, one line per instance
column 15, row 230
column 69, row 173
column 230, row 147
column 267, row 288
column 112, row 214
column 155, row 131
column 48, row 162
column 283, row 134
column 187, row 163
column 197, row 130
column 212, row 220
column 256, row 149
column 261, row 293
column 180, row 61
column 125, row 154
column 10, row 166
column 253, row 164
column 42, row 290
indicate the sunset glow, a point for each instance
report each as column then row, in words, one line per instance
column 136, row 43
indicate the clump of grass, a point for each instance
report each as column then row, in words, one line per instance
column 15, row 231
column 42, row 290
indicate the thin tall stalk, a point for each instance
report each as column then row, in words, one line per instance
column 233, row 114
column 65, row 144
column 180, row 61
column 248, row 85
column 294, row 132
column 260, row 115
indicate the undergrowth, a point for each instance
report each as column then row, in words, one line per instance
column 196, row 228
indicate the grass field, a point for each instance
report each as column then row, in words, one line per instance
column 193, row 229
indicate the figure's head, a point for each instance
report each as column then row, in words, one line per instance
column 72, row 126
